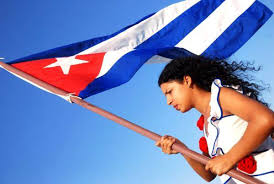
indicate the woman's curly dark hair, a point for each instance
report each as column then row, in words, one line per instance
column 203, row 71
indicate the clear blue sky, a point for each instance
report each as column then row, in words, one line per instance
column 46, row 140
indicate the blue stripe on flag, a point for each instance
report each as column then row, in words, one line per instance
column 239, row 32
column 176, row 30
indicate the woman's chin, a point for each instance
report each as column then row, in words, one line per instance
column 183, row 110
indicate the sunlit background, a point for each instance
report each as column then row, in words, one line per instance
column 46, row 140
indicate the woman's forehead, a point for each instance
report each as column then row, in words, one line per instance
column 169, row 84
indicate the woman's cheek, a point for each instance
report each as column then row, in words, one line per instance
column 186, row 105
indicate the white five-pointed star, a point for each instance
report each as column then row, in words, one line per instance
column 65, row 63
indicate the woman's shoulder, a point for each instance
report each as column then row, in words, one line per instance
column 215, row 108
column 233, row 102
column 225, row 98
column 225, row 101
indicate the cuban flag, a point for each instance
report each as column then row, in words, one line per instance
column 212, row 28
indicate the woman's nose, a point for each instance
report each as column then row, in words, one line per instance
column 169, row 101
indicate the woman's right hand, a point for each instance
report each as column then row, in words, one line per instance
column 166, row 143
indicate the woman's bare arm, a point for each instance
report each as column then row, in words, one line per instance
column 200, row 169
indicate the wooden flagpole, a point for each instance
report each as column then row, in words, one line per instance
column 178, row 147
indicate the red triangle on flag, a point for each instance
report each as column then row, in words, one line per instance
column 71, row 74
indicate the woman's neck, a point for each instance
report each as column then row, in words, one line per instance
column 201, row 100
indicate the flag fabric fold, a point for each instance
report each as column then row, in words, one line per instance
column 193, row 27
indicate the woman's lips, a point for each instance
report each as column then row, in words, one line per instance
column 176, row 107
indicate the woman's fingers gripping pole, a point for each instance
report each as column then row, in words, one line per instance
column 166, row 143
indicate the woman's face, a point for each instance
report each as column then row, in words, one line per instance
column 178, row 94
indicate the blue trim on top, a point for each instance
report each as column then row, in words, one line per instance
column 217, row 136
column 218, row 148
column 262, row 174
column 215, row 139
column 218, row 101
column 228, row 116
column 228, row 180
column 218, row 97
column 218, row 119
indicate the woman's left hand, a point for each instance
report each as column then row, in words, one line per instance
column 219, row 165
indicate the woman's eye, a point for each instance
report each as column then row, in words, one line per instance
column 168, row 92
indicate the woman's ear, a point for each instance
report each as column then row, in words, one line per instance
column 188, row 80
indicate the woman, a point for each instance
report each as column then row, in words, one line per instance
column 237, row 125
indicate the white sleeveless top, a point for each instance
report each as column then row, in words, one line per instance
column 225, row 131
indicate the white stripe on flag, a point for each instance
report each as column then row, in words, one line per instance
column 199, row 39
column 137, row 34
column 110, row 59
